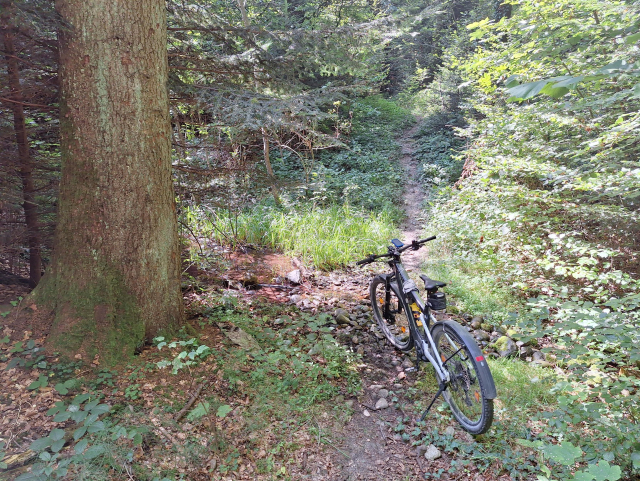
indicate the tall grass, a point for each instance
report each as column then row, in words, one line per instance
column 328, row 237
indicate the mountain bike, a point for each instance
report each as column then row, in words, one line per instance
column 407, row 321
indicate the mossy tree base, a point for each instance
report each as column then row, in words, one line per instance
column 114, row 280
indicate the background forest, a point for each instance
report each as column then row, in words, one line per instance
column 287, row 119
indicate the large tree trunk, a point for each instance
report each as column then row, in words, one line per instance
column 25, row 169
column 114, row 280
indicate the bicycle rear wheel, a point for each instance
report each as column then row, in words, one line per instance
column 467, row 392
column 394, row 323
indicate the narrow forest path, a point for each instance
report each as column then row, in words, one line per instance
column 374, row 444
column 414, row 197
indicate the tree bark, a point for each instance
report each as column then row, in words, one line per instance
column 25, row 170
column 114, row 279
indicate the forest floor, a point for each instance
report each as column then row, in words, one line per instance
column 365, row 430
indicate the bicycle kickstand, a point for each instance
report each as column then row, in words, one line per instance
column 441, row 389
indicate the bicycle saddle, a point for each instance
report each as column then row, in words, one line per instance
column 430, row 284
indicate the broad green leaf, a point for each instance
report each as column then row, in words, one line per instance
column 41, row 444
column 62, row 417
column 45, row 456
column 101, row 409
column 616, row 66
column 78, row 433
column 57, row 446
column 94, row 452
column 202, row 409
column 96, row 427
column 56, row 434
column 582, row 476
column 79, row 416
column 604, row 471
column 137, row 439
column 631, row 39
column 223, row 410
column 528, row 90
column 80, row 446
column 565, row 453
column 61, row 388
column 554, row 92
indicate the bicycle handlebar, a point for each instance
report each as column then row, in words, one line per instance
column 415, row 245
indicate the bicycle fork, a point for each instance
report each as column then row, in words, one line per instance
column 438, row 364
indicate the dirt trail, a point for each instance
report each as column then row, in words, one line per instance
column 414, row 198
column 370, row 447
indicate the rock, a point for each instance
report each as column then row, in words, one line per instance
column 506, row 347
column 375, row 387
column 481, row 335
column 450, row 431
column 295, row 276
column 407, row 363
column 239, row 337
column 360, row 350
column 366, row 413
column 383, row 393
column 382, row 404
column 295, row 298
column 537, row 356
column 542, row 363
column 476, row 322
column 355, row 340
column 420, row 450
column 397, row 437
column 525, row 352
column 402, row 375
column 432, row 453
column 349, row 403
column 485, row 326
column 342, row 316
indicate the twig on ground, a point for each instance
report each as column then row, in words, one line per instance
column 195, row 395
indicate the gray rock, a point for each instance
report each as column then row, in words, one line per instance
column 375, row 387
column 355, row 340
column 382, row 403
column 342, row 316
column 506, row 347
column 407, row 363
column 383, row 393
column 432, row 453
column 481, row 335
column 538, row 356
column 450, row 431
column 525, row 352
column 295, row 298
column 295, row 276
column 476, row 322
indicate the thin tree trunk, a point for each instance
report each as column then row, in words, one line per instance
column 114, row 280
column 26, row 165
column 267, row 160
column 242, row 5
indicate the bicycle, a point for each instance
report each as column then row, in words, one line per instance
column 464, row 378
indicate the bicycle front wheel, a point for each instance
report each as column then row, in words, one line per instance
column 390, row 313
column 468, row 390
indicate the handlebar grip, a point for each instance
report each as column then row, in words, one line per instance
column 368, row 260
column 427, row 239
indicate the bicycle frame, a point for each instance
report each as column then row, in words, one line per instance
column 410, row 290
